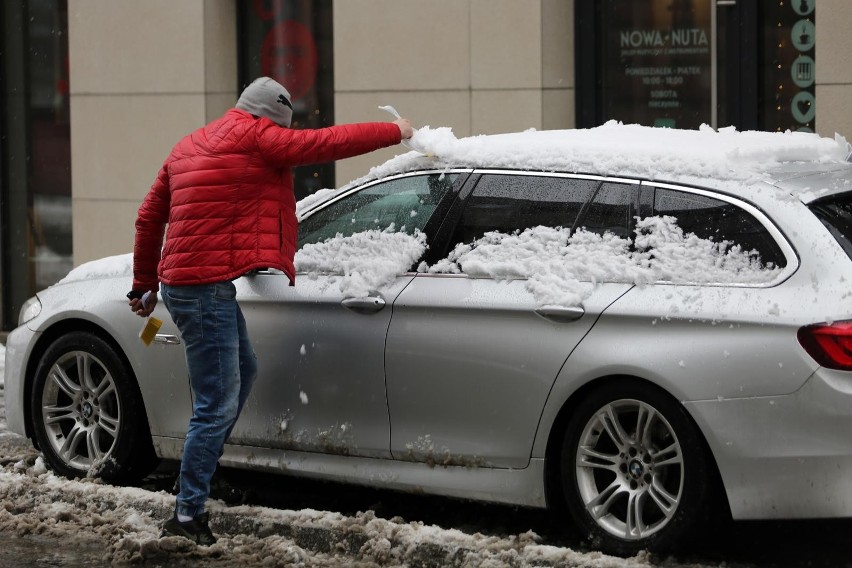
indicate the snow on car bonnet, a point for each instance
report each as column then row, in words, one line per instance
column 107, row 267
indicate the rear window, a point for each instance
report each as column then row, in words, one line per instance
column 836, row 214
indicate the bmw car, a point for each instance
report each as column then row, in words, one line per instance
column 632, row 326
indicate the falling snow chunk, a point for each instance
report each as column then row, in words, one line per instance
column 303, row 397
column 302, row 350
column 681, row 364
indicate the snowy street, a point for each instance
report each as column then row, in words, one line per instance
column 47, row 520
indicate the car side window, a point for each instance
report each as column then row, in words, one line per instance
column 719, row 221
column 610, row 209
column 509, row 203
column 405, row 203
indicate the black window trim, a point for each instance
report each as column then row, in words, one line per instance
column 776, row 233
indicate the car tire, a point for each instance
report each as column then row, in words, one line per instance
column 629, row 492
column 87, row 412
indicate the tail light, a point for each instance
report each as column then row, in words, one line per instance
column 829, row 344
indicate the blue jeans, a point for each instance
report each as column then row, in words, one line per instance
column 222, row 367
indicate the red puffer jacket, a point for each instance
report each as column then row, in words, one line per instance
column 226, row 192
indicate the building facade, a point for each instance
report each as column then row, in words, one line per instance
column 96, row 92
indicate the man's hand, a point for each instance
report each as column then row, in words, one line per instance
column 405, row 128
column 142, row 306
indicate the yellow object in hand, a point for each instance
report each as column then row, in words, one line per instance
column 152, row 326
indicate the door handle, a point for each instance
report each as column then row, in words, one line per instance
column 364, row 305
column 563, row 313
column 167, row 339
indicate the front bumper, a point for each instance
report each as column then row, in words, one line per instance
column 19, row 344
column 785, row 457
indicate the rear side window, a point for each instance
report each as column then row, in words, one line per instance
column 508, row 203
column 719, row 221
column 836, row 214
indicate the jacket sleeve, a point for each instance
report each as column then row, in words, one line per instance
column 283, row 147
column 150, row 226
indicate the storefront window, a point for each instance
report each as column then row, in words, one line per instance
column 788, row 73
column 291, row 41
column 35, row 185
column 657, row 65
column 684, row 63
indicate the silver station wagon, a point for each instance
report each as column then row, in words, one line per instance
column 634, row 326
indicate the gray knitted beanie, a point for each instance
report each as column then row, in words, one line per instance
column 266, row 97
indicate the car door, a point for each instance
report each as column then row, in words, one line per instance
column 321, row 381
column 471, row 360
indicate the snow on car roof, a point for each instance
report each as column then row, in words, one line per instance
column 624, row 149
column 704, row 156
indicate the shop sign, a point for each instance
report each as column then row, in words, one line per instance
column 657, row 62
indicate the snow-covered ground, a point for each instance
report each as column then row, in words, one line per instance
column 91, row 521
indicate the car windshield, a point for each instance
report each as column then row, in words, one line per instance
column 836, row 214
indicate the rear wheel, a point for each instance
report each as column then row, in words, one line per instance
column 634, row 469
column 87, row 412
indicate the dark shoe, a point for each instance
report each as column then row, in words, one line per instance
column 196, row 530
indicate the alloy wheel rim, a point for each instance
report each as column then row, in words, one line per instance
column 629, row 469
column 81, row 411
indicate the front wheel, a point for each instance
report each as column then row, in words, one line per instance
column 634, row 470
column 87, row 412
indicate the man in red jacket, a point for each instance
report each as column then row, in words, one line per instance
column 226, row 193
